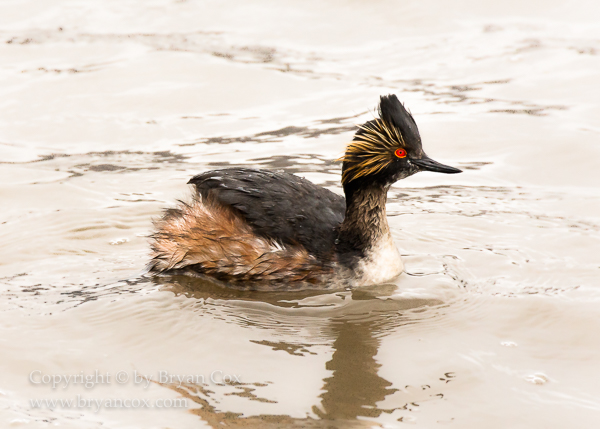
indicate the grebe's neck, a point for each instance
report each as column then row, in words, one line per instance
column 364, row 244
column 365, row 223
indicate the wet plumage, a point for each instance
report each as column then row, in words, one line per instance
column 256, row 229
column 280, row 206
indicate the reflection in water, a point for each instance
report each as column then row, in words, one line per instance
column 355, row 387
column 353, row 322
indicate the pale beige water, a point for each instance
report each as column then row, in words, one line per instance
column 107, row 108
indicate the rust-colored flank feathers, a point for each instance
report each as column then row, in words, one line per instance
column 214, row 240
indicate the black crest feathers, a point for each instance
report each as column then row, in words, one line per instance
column 394, row 113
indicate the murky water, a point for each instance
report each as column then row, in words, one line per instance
column 107, row 108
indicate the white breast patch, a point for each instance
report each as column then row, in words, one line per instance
column 382, row 263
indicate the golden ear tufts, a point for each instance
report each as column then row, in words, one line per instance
column 372, row 150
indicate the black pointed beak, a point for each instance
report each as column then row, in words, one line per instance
column 428, row 164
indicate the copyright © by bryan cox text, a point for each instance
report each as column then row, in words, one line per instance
column 89, row 380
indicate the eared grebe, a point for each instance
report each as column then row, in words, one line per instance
column 265, row 230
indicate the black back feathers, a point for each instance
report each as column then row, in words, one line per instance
column 285, row 208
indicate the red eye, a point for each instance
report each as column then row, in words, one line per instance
column 400, row 153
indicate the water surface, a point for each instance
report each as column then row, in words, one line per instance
column 107, row 108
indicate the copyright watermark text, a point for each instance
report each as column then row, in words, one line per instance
column 89, row 380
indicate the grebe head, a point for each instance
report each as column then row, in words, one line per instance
column 387, row 149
